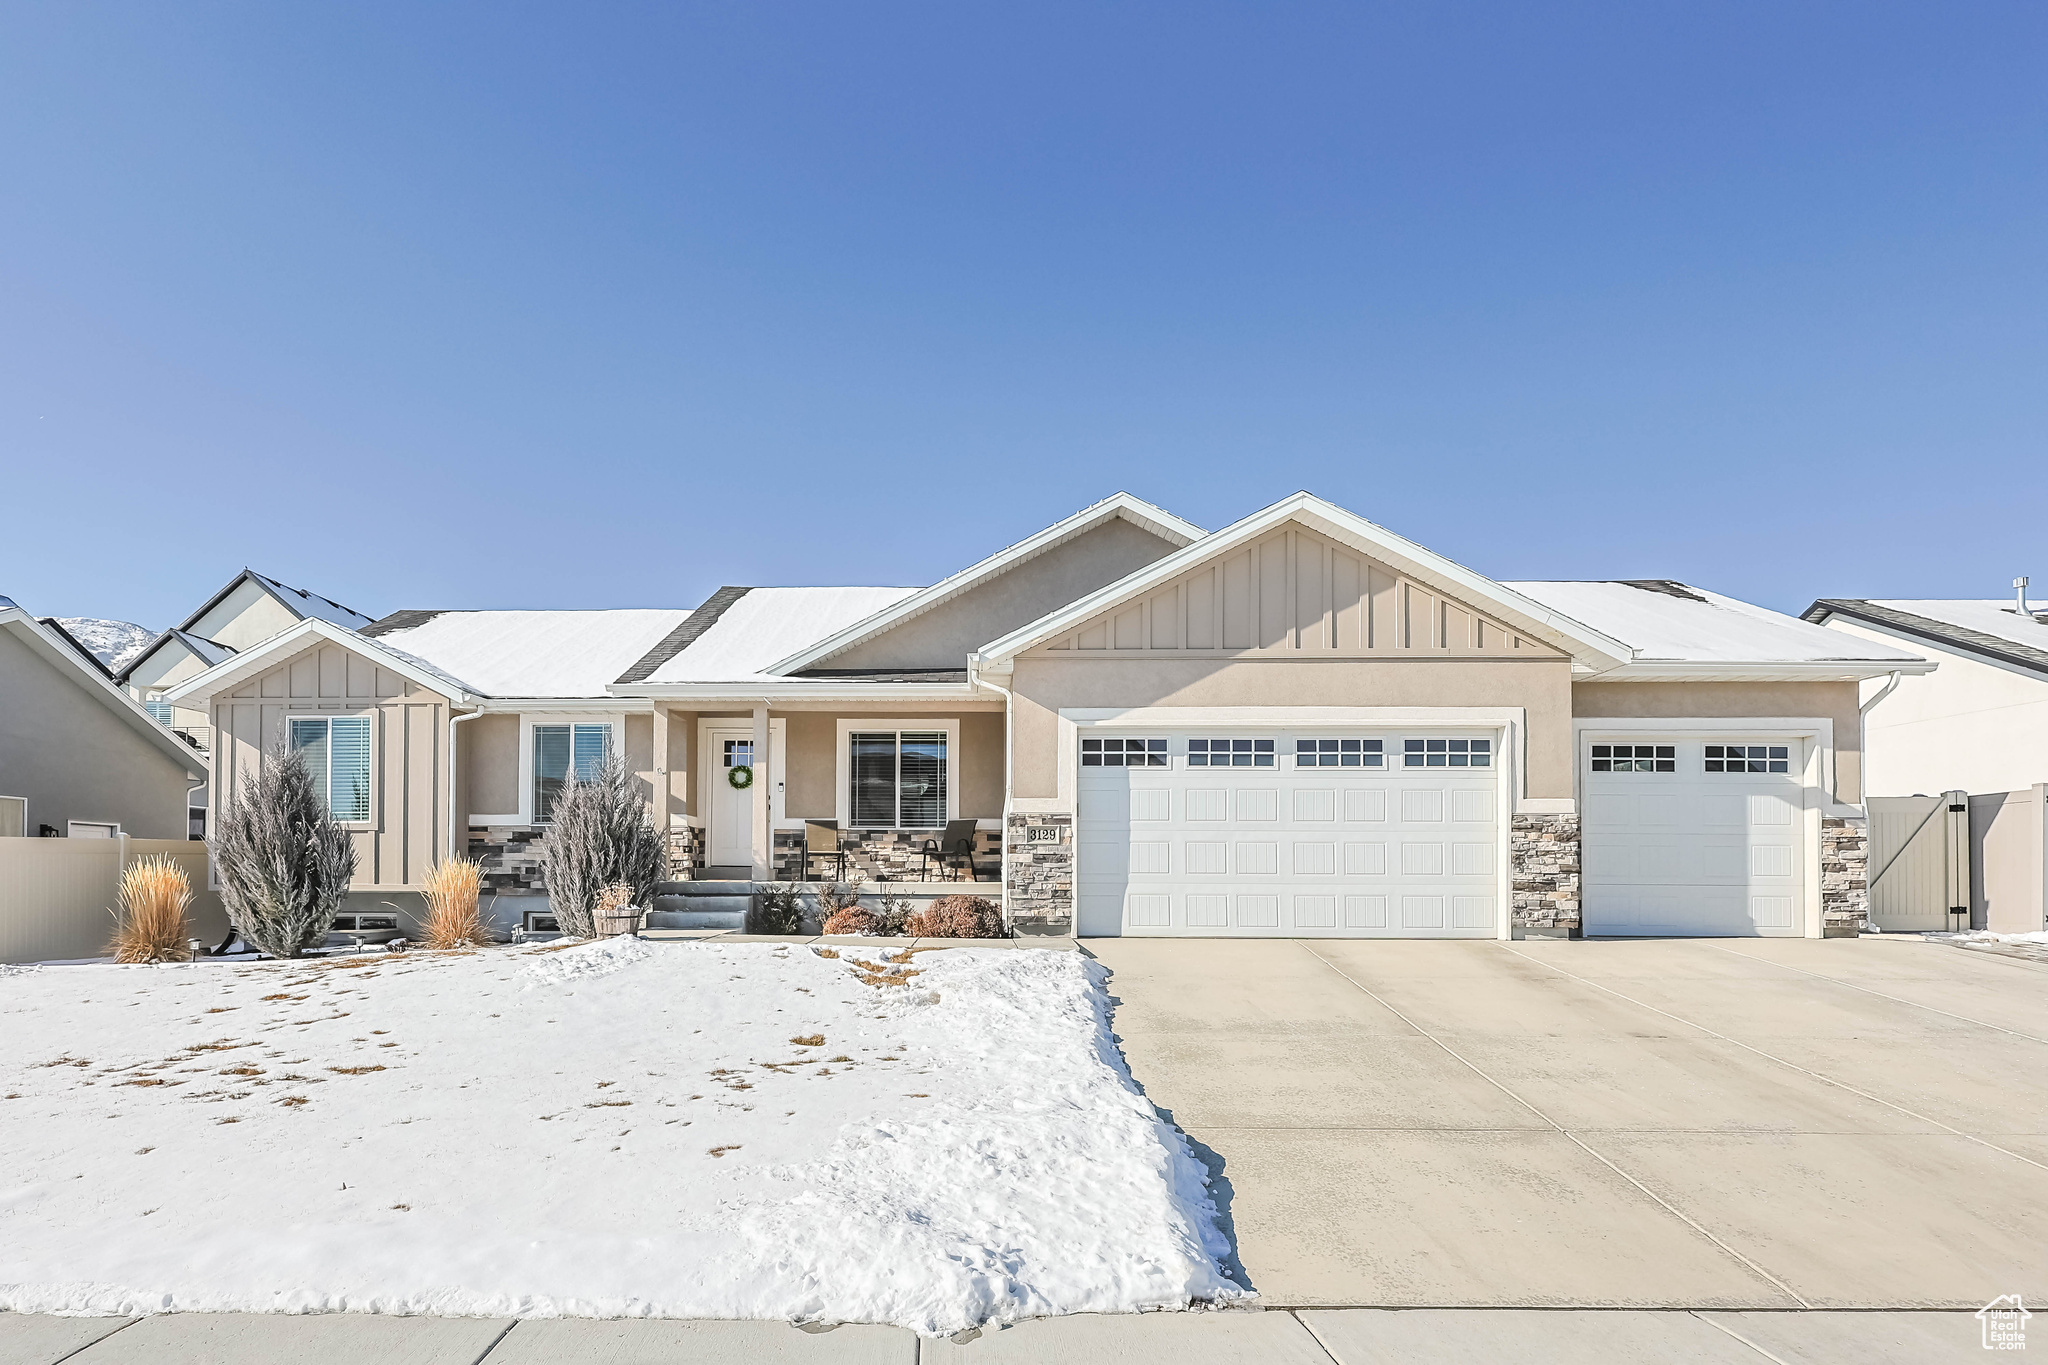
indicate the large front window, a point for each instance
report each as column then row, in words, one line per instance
column 559, row 750
column 337, row 753
column 899, row 779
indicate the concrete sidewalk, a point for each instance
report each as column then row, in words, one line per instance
column 1358, row 1336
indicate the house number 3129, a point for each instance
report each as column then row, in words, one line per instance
column 1042, row 834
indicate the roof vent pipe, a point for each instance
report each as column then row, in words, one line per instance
column 2019, row 589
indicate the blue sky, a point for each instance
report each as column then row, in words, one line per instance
column 606, row 305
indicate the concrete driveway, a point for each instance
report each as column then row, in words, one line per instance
column 1683, row 1124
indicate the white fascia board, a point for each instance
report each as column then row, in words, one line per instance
column 1762, row 670
column 791, row 689
column 1954, row 647
column 1138, row 512
column 1597, row 652
column 230, row 672
column 60, row 656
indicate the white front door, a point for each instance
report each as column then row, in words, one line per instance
column 1269, row 833
column 1694, row 836
column 729, row 838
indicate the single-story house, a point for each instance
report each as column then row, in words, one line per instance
column 248, row 610
column 78, row 757
column 1302, row 724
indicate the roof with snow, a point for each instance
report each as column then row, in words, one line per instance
column 526, row 653
column 753, row 628
column 1991, row 627
column 1672, row 625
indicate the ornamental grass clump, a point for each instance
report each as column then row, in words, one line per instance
column 152, row 925
column 600, row 837
column 452, row 890
column 282, row 862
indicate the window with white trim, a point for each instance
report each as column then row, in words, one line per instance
column 1446, row 753
column 1230, row 753
column 898, row 778
column 159, row 711
column 1635, row 758
column 1339, row 753
column 559, row 750
column 1749, row 758
column 336, row 750
column 1123, row 753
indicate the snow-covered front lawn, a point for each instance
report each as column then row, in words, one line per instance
column 611, row 1129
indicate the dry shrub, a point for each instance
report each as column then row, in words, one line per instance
column 853, row 920
column 957, row 917
column 451, row 889
column 151, row 925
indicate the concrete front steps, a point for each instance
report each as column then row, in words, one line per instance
column 701, row 905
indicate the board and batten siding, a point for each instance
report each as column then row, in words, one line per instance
column 1291, row 593
column 408, row 752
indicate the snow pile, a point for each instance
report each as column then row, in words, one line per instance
column 113, row 643
column 619, row 1129
column 1974, row 937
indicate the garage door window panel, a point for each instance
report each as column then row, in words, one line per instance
column 1231, row 753
column 1748, row 758
column 1123, row 753
column 1447, row 753
column 1635, row 758
column 1339, row 753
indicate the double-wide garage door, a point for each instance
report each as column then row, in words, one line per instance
column 1265, row 834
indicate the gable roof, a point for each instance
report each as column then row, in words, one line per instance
column 301, row 604
column 62, row 652
column 298, row 601
column 239, row 668
column 1680, row 633
column 555, row 654
column 1138, row 512
column 1993, row 628
column 1591, row 650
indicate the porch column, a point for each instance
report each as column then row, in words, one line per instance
column 764, row 836
column 659, row 804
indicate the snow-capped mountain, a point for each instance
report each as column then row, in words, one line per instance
column 114, row 642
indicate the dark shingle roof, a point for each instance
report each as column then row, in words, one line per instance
column 684, row 635
column 1931, row 630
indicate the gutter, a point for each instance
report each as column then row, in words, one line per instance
column 448, row 849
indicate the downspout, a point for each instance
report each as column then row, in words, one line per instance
column 1009, row 788
column 1880, row 694
column 448, row 849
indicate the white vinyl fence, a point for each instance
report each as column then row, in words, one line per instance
column 1958, row 861
column 57, row 895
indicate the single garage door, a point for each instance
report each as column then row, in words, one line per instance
column 1694, row 837
column 1281, row 834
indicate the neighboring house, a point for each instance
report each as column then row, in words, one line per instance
column 1978, row 723
column 248, row 610
column 78, row 756
column 1300, row 725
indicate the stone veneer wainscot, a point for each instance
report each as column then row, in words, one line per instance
column 1844, row 885
column 1039, row 874
column 1543, row 853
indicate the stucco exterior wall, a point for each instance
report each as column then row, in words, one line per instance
column 409, row 747
column 1969, row 725
column 944, row 636
column 811, row 762
column 1045, row 685
column 488, row 750
column 1834, row 700
column 247, row 616
column 72, row 758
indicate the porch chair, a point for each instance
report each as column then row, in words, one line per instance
column 821, row 840
column 956, row 842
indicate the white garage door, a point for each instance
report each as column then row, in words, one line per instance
column 1281, row 834
column 1694, row 837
